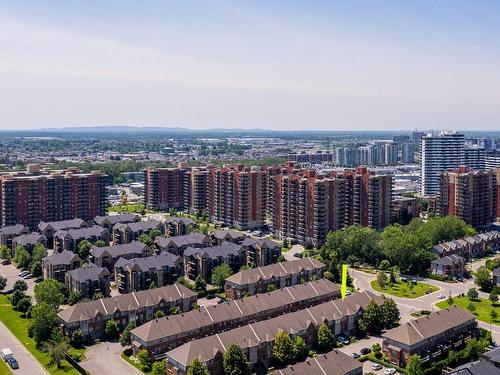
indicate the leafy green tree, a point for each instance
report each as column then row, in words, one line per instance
column 200, row 285
column 384, row 264
column 390, row 313
column 57, row 351
column 373, row 318
column 493, row 297
column 472, row 294
column 174, row 311
column 20, row 285
column 152, row 285
column 111, row 329
column 376, row 347
column 126, row 337
column 220, row 274
column 474, row 349
column 493, row 315
column 300, row 348
column 83, row 249
column 3, row 282
column 159, row 368
column 74, row 297
column 5, row 252
column 50, row 292
column 197, row 368
column 414, row 366
column 283, row 350
column 42, row 323
column 450, row 301
column 382, row 279
column 235, row 361
column 15, row 297
column 482, row 278
column 325, row 338
column 159, row 314
column 76, row 338
column 23, row 305
column 100, row 243
column 22, row 257
column 146, row 239
column 471, row 307
column 144, row 358
column 271, row 288
column 153, row 233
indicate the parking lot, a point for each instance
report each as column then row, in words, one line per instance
column 10, row 272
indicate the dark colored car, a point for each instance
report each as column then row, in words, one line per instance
column 355, row 355
column 13, row 363
column 365, row 351
column 298, row 255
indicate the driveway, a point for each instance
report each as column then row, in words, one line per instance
column 363, row 343
column 295, row 249
column 104, row 358
column 28, row 365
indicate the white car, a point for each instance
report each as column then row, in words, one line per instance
column 389, row 371
column 441, row 296
column 376, row 366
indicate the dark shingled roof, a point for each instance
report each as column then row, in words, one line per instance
column 66, row 257
column 29, row 239
column 155, row 262
column 482, row 367
column 448, row 260
column 222, row 233
column 260, row 242
column 14, row 229
column 93, row 231
column 120, row 218
column 214, row 252
column 63, row 224
column 331, row 363
column 134, row 247
column 138, row 226
column 194, row 238
column 91, row 272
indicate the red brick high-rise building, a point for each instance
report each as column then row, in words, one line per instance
column 166, row 188
column 40, row 195
column 470, row 195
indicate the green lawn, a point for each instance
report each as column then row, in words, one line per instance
column 19, row 327
column 400, row 289
column 4, row 368
column 132, row 363
column 482, row 311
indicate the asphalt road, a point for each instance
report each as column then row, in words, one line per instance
column 28, row 365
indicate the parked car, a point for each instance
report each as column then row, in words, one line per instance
column 6, row 354
column 460, row 278
column 389, row 371
column 441, row 296
column 28, row 276
column 343, row 340
column 376, row 366
column 23, row 273
column 365, row 351
column 5, row 261
column 298, row 255
column 355, row 355
column 13, row 363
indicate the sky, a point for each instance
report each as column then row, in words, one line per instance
column 275, row 64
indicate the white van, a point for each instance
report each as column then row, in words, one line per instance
column 7, row 354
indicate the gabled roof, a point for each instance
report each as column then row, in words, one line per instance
column 29, row 239
column 193, row 238
column 331, row 363
column 155, row 262
column 431, row 325
column 482, row 367
column 125, row 302
column 275, row 270
column 265, row 330
column 223, row 251
column 449, row 260
column 62, row 225
column 259, row 304
column 265, row 242
column 91, row 272
column 113, row 219
column 221, row 234
column 14, row 230
column 66, row 257
column 134, row 247
column 139, row 226
column 85, row 233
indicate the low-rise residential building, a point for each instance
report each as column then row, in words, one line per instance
column 496, row 277
column 178, row 244
column 69, row 239
column 90, row 317
column 450, row 265
column 56, row 265
column 227, row 235
column 201, row 261
column 28, row 241
column 7, row 234
column 161, row 335
column 257, row 338
column 429, row 336
column 260, row 252
column 140, row 273
column 493, row 356
column 49, row 229
column 331, row 363
column 470, row 247
column 128, row 232
column 257, row 280
column 109, row 221
column 482, row 367
column 108, row 255
column 179, row 226
column 88, row 281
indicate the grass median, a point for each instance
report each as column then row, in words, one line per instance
column 19, row 328
column 404, row 290
column 482, row 308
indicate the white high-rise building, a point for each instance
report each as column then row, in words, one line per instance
column 407, row 152
column 439, row 153
column 391, row 153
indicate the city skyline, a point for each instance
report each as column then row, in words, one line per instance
column 280, row 66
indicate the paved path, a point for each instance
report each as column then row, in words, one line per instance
column 295, row 249
column 104, row 358
column 28, row 365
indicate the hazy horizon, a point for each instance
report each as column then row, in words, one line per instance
column 285, row 65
